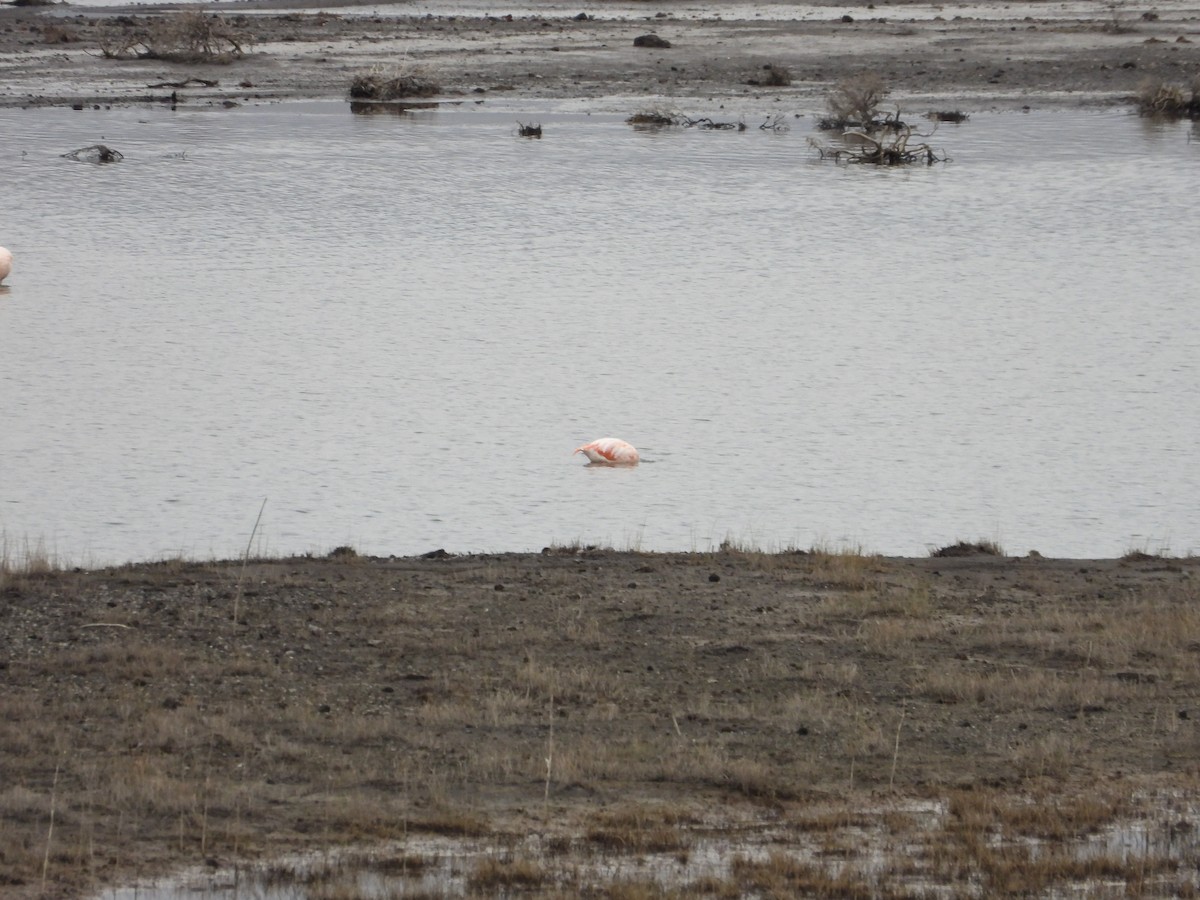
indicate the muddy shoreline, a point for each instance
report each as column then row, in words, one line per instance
column 968, row 723
column 977, row 57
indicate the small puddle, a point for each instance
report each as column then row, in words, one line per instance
column 866, row 848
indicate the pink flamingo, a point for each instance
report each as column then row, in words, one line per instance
column 610, row 451
column 5, row 263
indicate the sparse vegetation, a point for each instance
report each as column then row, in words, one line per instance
column 184, row 37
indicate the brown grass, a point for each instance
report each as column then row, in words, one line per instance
column 961, row 707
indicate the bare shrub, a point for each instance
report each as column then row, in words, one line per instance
column 397, row 84
column 854, row 102
column 193, row 37
column 120, row 44
column 186, row 37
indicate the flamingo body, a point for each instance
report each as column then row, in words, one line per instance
column 5, row 263
column 610, row 451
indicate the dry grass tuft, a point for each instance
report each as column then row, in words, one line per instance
column 782, row 875
column 20, row 565
column 657, row 116
column 965, row 548
column 773, row 76
column 1158, row 98
column 639, row 829
column 499, row 876
column 59, row 34
column 393, row 84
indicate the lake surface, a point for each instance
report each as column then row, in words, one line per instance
column 395, row 329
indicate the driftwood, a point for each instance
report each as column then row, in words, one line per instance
column 95, row 153
column 659, row 119
column 710, row 125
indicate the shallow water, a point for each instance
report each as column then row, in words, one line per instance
column 394, row 329
column 870, row 852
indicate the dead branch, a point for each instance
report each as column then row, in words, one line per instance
column 896, row 151
column 709, row 125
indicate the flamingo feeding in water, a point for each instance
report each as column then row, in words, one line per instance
column 610, row 451
column 5, row 263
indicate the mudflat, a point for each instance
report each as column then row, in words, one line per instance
column 972, row 56
column 839, row 724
